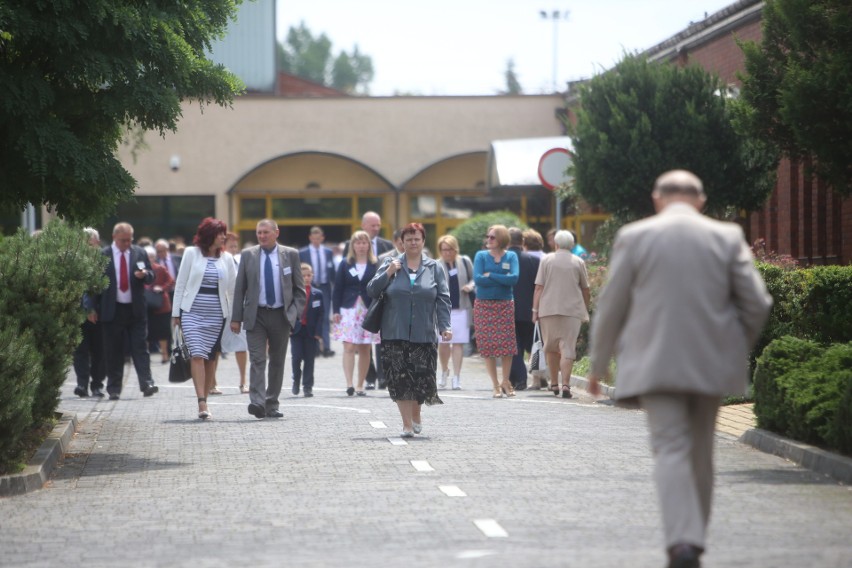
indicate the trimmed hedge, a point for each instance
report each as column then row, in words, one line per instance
column 42, row 280
column 471, row 233
column 20, row 363
column 804, row 390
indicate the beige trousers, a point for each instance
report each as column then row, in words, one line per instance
column 682, row 430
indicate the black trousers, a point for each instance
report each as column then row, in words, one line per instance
column 303, row 353
column 89, row 357
column 136, row 331
column 524, row 331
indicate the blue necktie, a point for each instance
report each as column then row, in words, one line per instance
column 269, row 283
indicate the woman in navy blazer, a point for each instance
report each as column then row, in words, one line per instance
column 350, row 306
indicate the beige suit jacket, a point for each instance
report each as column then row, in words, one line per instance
column 682, row 307
column 247, row 288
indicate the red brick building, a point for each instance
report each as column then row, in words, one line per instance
column 803, row 218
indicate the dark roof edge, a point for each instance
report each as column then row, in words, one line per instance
column 734, row 16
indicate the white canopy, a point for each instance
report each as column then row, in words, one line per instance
column 514, row 163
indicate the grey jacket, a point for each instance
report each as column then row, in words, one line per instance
column 415, row 312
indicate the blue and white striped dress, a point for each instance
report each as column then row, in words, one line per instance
column 202, row 324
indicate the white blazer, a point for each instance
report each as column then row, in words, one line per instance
column 191, row 273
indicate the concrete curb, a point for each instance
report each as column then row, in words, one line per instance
column 38, row 471
column 813, row 458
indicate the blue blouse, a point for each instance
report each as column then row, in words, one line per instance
column 503, row 275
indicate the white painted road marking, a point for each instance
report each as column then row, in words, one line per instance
column 452, row 491
column 397, row 441
column 377, row 424
column 490, row 528
column 422, row 465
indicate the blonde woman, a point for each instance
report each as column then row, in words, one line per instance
column 495, row 271
column 350, row 306
column 458, row 270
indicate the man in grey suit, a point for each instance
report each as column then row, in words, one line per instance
column 268, row 297
column 684, row 304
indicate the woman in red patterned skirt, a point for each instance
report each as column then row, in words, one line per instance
column 495, row 271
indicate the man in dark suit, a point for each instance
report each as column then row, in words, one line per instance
column 169, row 260
column 306, row 333
column 321, row 260
column 371, row 223
column 123, row 311
column 523, row 294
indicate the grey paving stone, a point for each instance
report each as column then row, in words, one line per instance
column 148, row 484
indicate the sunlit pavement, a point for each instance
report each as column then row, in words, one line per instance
column 532, row 481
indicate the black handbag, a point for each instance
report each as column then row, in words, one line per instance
column 180, row 369
column 153, row 299
column 373, row 320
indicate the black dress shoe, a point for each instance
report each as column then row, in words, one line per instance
column 257, row 410
column 97, row 392
column 114, row 396
column 328, row 353
column 81, row 392
column 684, row 556
column 274, row 414
column 383, row 385
column 150, row 390
column 308, row 393
column 371, row 386
column 295, row 388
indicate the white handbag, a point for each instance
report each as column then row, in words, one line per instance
column 538, row 362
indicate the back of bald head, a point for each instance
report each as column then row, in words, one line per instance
column 679, row 182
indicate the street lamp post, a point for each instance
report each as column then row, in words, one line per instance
column 555, row 16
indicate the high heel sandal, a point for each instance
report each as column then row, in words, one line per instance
column 554, row 389
column 498, row 393
column 566, row 391
column 244, row 389
column 508, row 390
column 203, row 414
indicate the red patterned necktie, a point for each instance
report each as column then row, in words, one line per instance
column 123, row 283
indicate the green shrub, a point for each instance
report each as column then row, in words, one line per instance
column 20, row 366
column 802, row 390
column 787, row 286
column 471, row 233
column 826, row 314
column 42, row 280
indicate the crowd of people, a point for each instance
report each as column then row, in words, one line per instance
column 682, row 306
column 254, row 302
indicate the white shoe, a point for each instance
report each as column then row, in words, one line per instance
column 417, row 427
column 456, row 384
column 406, row 434
column 442, row 382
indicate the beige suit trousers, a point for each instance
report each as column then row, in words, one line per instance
column 682, row 428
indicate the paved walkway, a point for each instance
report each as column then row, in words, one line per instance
column 532, row 481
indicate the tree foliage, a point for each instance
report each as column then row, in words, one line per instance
column 513, row 86
column 76, row 74
column 642, row 119
column 798, row 84
column 310, row 57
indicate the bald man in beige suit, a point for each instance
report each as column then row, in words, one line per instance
column 681, row 309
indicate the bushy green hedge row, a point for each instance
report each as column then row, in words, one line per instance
column 471, row 233
column 804, row 390
column 42, row 281
column 809, row 303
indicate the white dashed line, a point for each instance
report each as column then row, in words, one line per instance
column 490, row 528
column 397, row 441
column 422, row 465
column 377, row 424
column 452, row 491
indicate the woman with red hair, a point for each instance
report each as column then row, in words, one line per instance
column 203, row 298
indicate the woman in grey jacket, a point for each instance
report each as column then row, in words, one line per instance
column 416, row 313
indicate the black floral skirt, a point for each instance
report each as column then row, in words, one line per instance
column 409, row 370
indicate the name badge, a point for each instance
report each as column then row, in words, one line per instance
column 354, row 272
column 315, row 304
column 287, row 270
column 454, row 271
column 505, row 266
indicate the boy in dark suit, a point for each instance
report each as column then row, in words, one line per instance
column 306, row 334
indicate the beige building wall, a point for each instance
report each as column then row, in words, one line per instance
column 395, row 137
